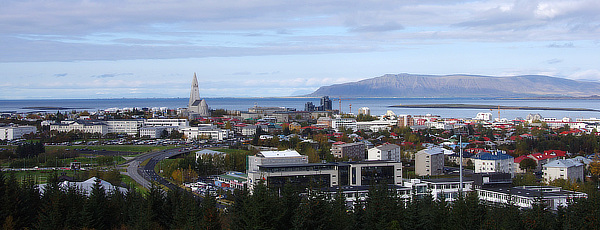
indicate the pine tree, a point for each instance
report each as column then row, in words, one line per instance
column 95, row 212
column 210, row 214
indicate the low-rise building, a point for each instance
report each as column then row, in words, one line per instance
column 429, row 162
column 563, row 169
column 353, row 151
column 129, row 127
column 486, row 162
column 81, row 125
column 206, row 132
column 12, row 132
column 527, row 196
column 387, row 152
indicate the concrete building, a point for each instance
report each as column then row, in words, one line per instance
column 324, row 122
column 405, row 121
column 129, row 127
column 375, row 126
column 364, row 111
column 197, row 106
column 486, row 162
column 365, row 173
column 347, row 123
column 12, row 132
column 567, row 169
column 166, row 122
column 387, row 152
column 81, row 125
column 527, row 196
column 438, row 188
column 206, row 132
column 429, row 162
column 354, row 151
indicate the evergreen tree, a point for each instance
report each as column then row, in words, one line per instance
column 95, row 211
column 313, row 212
column 210, row 214
column 381, row 207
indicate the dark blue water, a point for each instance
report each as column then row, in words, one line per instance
column 377, row 106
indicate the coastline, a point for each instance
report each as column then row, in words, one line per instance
column 490, row 107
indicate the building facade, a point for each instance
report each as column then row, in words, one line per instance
column 12, row 132
column 387, row 152
column 354, row 151
column 563, row 169
column 429, row 162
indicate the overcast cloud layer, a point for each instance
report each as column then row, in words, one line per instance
column 113, row 49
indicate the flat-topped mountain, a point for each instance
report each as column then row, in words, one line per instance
column 448, row 86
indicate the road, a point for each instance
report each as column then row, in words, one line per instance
column 144, row 175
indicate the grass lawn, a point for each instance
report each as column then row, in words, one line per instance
column 233, row 151
column 132, row 183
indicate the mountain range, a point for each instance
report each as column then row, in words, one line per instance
column 457, row 86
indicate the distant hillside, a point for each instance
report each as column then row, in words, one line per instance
column 411, row 86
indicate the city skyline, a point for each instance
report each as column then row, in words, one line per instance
column 115, row 49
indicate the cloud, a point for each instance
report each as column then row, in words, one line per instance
column 554, row 61
column 388, row 26
column 586, row 75
column 60, row 74
column 564, row 45
column 111, row 75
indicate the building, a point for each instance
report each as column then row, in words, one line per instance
column 324, row 122
column 12, row 132
column 429, row 162
column 375, row 126
column 364, row 111
column 326, row 104
column 206, row 132
column 87, row 186
column 366, row 173
column 387, row 152
column 567, row 169
column 205, row 152
column 483, row 116
column 166, row 122
column 235, row 180
column 347, row 123
column 527, row 196
column 82, row 126
column 129, row 127
column 405, row 121
column 486, row 162
column 309, row 106
column 197, row 106
column 448, row 188
column 353, row 151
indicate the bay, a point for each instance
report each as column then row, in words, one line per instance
column 377, row 106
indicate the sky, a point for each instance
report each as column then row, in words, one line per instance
column 273, row 48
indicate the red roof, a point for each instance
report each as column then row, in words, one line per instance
column 555, row 153
column 520, row 158
column 339, row 143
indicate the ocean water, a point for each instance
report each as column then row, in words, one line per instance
column 377, row 106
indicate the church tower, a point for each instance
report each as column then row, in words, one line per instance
column 197, row 106
column 195, row 92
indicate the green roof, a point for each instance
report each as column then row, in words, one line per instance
column 238, row 177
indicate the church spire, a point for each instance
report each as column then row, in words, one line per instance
column 194, row 92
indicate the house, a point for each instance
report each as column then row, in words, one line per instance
column 388, row 152
column 12, row 132
column 429, row 162
column 567, row 169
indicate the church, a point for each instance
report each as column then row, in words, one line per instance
column 197, row 107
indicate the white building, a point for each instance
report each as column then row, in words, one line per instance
column 493, row 162
column 567, row 169
column 527, row 196
column 166, row 122
column 364, row 111
column 80, row 125
column 386, row 152
column 206, row 132
column 429, row 162
column 483, row 116
column 12, row 132
column 129, row 127
column 375, row 126
column 348, row 123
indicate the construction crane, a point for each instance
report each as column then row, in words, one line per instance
column 491, row 110
column 340, row 99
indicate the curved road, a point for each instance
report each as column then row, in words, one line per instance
column 144, row 175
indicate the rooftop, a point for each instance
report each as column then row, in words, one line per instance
column 284, row 153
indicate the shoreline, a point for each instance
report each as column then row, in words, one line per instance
column 490, row 107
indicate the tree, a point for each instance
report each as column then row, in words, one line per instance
column 528, row 164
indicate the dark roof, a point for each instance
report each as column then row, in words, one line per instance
column 532, row 191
